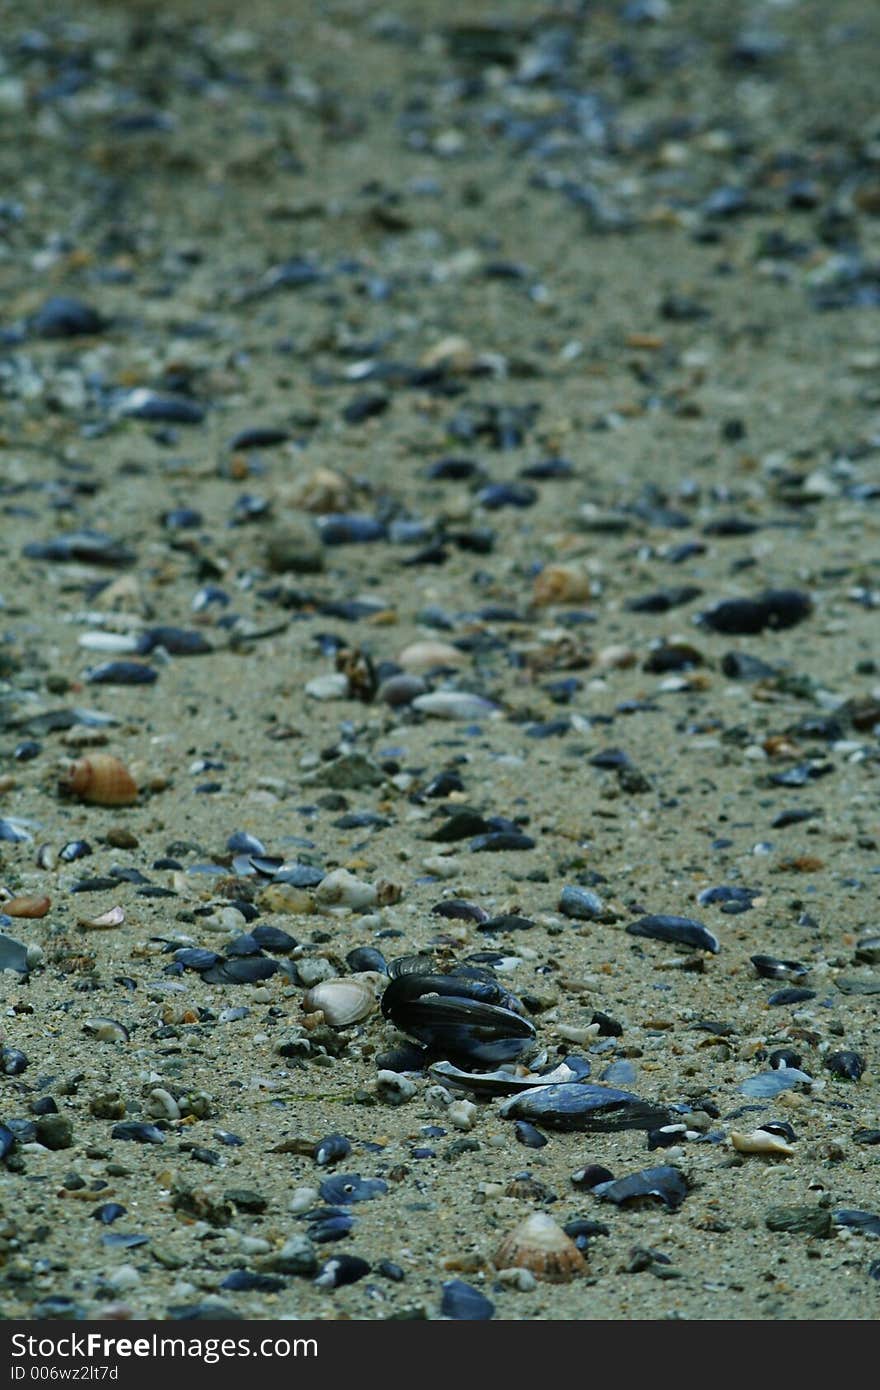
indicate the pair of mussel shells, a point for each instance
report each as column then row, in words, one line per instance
column 464, row 1017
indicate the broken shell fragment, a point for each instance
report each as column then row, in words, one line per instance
column 100, row 779
column 664, row 1185
column 419, row 657
column 106, row 1029
column 540, row 1245
column 342, row 1001
column 112, row 918
column 760, row 1141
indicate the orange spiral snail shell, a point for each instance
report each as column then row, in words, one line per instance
column 100, row 779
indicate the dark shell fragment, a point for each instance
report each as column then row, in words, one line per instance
column 138, row 1132
column 121, row 673
column 664, row 1184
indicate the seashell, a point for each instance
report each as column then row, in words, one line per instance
column 463, row 1303
column 112, row 918
column 343, row 1001
column 768, row 1084
column 101, row 779
column 323, row 491
column 453, row 704
column 664, row 1184
column 773, row 969
column 344, row 1189
column 501, row 1082
column 561, row 584
column 578, row 1105
column 241, row 970
column 342, row 889
column 419, row 657
column 760, row 1141
column 684, row 931
column 341, row 1269
column 106, row 1029
column 331, row 1149
column 26, row 907
column 539, row 1244
column 470, row 1020
column 14, row 955
column 138, row 1132
column 849, row 1066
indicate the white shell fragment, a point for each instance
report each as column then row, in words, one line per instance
column 454, row 704
column 760, row 1141
column 106, row 1029
column 428, row 656
column 114, row 917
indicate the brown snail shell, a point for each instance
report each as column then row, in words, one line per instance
column 100, row 779
column 540, row 1245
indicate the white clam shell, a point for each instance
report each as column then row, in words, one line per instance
column 342, row 1001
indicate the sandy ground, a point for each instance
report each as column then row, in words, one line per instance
column 505, row 263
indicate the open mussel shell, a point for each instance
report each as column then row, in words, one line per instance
column 458, row 1018
column 501, row 1082
column 579, row 1105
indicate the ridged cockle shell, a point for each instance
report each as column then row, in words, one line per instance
column 539, row 1244
column 100, row 779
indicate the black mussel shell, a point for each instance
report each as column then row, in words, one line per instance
column 241, row 970
column 328, row 1224
column 331, row 1149
column 866, row 1221
column 464, row 1303
column 270, row 938
column 341, row 1269
column 847, row 1065
column 663, row 1184
column 344, row 1189
column 683, row 931
column 7, row 1141
column 458, row 1018
column 773, row 969
column 410, row 965
column 367, row 958
column 579, row 1105
column 138, row 1131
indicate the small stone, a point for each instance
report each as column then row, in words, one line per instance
column 54, row 1131
column 802, row 1221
